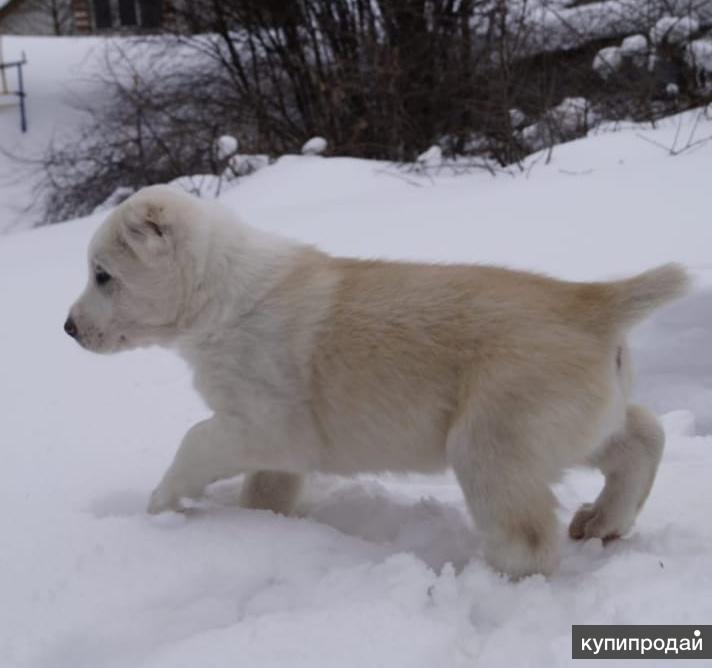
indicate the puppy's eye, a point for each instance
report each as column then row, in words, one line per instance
column 102, row 277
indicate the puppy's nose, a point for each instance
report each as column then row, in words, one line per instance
column 70, row 327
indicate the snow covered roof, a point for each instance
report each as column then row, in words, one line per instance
column 549, row 28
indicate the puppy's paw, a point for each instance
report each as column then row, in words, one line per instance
column 163, row 501
column 592, row 521
column 519, row 555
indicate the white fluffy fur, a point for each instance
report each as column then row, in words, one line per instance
column 314, row 363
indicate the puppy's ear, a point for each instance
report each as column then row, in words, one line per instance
column 145, row 229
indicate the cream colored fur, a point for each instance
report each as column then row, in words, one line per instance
column 317, row 363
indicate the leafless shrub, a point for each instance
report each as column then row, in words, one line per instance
column 378, row 78
column 154, row 124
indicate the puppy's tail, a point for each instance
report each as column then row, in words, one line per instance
column 632, row 299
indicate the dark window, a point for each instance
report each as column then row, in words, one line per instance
column 102, row 14
column 127, row 12
column 151, row 13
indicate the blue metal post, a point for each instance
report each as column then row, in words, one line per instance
column 21, row 94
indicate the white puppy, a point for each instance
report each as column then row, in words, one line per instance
column 316, row 363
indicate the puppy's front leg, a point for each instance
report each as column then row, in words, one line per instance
column 216, row 449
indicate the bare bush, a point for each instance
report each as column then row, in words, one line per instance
column 155, row 123
column 377, row 78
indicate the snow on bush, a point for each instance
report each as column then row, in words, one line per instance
column 477, row 142
column 433, row 157
column 698, row 54
column 634, row 49
column 202, row 185
column 226, row 146
column 315, row 146
column 572, row 113
column 673, row 29
column 634, row 45
column 608, row 61
column 517, row 118
column 118, row 196
column 569, row 119
column 242, row 165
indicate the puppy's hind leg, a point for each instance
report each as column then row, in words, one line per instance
column 271, row 490
column 629, row 461
column 509, row 496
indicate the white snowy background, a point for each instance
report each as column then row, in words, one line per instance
column 377, row 571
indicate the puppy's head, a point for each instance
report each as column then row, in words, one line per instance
column 137, row 282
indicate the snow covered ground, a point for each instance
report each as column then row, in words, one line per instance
column 383, row 571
